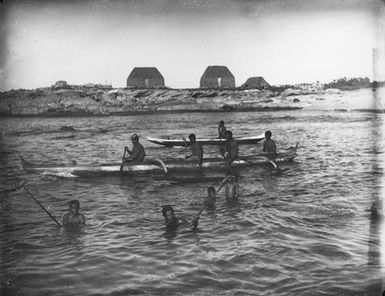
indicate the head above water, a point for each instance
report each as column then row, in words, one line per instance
column 231, row 178
column 192, row 137
column 373, row 208
column 268, row 134
column 168, row 214
column 221, row 123
column 210, row 190
column 74, row 206
column 166, row 208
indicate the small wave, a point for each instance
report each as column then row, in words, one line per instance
column 64, row 137
column 67, row 128
column 329, row 251
column 123, row 292
column 27, row 246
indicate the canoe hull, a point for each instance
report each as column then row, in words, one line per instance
column 152, row 168
column 213, row 141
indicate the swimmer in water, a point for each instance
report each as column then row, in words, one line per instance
column 210, row 199
column 173, row 222
column 73, row 217
column 231, row 189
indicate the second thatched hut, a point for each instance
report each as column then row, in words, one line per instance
column 217, row 77
column 145, row 77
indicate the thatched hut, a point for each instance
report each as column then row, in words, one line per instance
column 146, row 77
column 61, row 84
column 217, row 77
column 255, row 82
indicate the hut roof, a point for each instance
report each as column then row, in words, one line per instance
column 255, row 81
column 217, row 71
column 145, row 72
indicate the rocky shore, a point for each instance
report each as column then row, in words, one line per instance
column 101, row 101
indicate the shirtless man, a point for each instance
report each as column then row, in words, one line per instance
column 210, row 199
column 231, row 149
column 231, row 189
column 222, row 153
column 73, row 217
column 173, row 222
column 269, row 147
column 221, row 130
column 196, row 150
column 137, row 153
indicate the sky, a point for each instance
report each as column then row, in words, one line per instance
column 101, row 41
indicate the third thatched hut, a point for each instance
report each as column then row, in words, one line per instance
column 255, row 82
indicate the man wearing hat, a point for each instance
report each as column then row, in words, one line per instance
column 137, row 153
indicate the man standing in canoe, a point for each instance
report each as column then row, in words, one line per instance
column 269, row 147
column 231, row 147
column 221, row 130
column 136, row 155
column 196, row 150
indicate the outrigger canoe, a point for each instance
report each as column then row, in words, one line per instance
column 212, row 141
column 152, row 166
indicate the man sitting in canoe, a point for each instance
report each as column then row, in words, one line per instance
column 196, row 150
column 172, row 222
column 269, row 147
column 136, row 155
column 222, row 153
column 73, row 217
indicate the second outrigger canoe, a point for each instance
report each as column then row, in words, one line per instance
column 212, row 141
column 151, row 166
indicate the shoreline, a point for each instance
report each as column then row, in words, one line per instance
column 99, row 102
column 85, row 115
column 147, row 112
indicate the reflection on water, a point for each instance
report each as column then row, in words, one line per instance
column 303, row 232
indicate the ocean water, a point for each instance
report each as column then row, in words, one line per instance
column 303, row 232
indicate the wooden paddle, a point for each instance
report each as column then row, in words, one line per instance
column 124, row 155
column 185, row 142
column 34, row 198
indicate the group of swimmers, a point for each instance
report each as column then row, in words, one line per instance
column 229, row 153
column 73, row 218
column 231, row 194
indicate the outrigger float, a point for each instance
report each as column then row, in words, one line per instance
column 153, row 166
